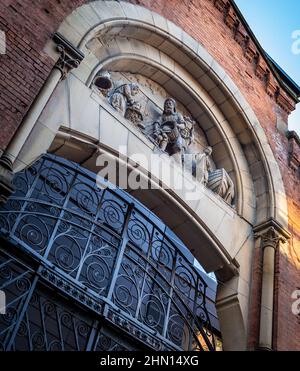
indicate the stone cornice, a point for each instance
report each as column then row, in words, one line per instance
column 275, row 87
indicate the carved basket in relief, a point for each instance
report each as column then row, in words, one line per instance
column 220, row 183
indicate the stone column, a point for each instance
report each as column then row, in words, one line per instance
column 270, row 234
column 69, row 58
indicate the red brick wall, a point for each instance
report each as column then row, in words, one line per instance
column 28, row 25
column 23, row 69
column 287, row 325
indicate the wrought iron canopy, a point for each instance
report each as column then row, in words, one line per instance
column 101, row 250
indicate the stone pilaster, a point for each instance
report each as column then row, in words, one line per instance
column 270, row 234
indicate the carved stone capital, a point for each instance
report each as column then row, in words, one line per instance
column 70, row 56
column 271, row 234
column 6, row 179
column 271, row 238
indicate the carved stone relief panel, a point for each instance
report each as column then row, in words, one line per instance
column 165, row 122
column 141, row 101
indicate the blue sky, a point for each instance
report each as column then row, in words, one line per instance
column 273, row 22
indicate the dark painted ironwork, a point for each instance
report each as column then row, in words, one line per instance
column 101, row 249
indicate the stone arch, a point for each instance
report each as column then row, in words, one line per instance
column 233, row 119
column 142, row 24
column 234, row 159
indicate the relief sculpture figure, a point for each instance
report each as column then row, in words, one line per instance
column 168, row 127
column 217, row 180
column 124, row 97
column 103, row 83
column 172, row 132
column 203, row 165
column 188, row 132
column 133, row 113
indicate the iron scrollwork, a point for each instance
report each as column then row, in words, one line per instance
column 102, row 250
